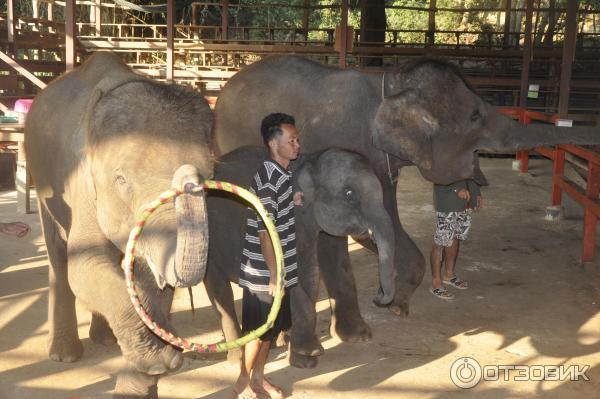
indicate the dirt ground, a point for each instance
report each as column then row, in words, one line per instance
column 531, row 303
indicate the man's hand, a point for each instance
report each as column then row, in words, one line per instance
column 464, row 194
column 17, row 229
column 479, row 202
column 298, row 198
column 272, row 285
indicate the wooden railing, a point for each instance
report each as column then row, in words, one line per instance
column 587, row 198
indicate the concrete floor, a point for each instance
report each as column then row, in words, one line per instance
column 531, row 302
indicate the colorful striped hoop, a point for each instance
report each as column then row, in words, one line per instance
column 128, row 264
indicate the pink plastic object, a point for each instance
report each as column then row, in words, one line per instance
column 23, row 105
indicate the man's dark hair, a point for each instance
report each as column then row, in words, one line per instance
column 271, row 125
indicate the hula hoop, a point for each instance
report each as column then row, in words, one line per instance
column 128, row 264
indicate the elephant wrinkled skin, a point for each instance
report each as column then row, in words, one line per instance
column 101, row 142
column 342, row 196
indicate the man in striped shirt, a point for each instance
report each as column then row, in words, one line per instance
column 273, row 185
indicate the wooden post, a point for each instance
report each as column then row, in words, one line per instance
column 70, row 35
column 170, row 39
column 225, row 20
column 50, row 10
column 568, row 56
column 527, row 51
column 10, row 21
column 35, row 8
column 506, row 38
column 548, row 38
column 590, row 219
column 305, row 19
column 343, row 33
column 97, row 15
column 22, row 181
column 431, row 29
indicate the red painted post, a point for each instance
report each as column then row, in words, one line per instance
column 558, row 170
column 523, row 155
column 590, row 218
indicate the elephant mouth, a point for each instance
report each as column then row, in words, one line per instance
column 161, row 282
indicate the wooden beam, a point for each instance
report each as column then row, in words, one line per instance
column 567, row 58
column 527, row 52
column 343, row 34
column 506, row 38
column 170, row 39
column 70, row 35
column 431, row 29
column 15, row 65
column 225, row 20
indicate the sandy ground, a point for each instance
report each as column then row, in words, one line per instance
column 531, row 302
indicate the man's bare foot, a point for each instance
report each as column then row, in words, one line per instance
column 247, row 393
column 242, row 389
column 267, row 388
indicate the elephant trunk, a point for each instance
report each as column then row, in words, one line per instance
column 383, row 235
column 192, row 228
column 505, row 133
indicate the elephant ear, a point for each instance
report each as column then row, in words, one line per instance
column 306, row 183
column 107, row 84
column 404, row 128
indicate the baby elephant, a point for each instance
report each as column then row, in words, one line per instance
column 342, row 196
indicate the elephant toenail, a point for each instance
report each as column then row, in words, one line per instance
column 157, row 369
column 176, row 362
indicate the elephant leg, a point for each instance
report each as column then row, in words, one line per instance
column 131, row 384
column 100, row 331
column 304, row 343
column 97, row 280
column 334, row 263
column 220, row 294
column 64, row 344
column 409, row 261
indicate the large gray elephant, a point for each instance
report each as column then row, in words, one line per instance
column 101, row 142
column 342, row 196
column 424, row 113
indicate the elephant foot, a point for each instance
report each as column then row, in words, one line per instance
column 132, row 384
column 100, row 331
column 303, row 361
column 351, row 331
column 148, row 354
column 234, row 356
column 66, row 349
column 308, row 347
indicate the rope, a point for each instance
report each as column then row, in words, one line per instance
column 128, row 263
column 387, row 155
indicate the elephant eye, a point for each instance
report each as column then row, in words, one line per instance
column 475, row 116
column 349, row 195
